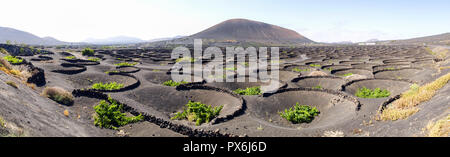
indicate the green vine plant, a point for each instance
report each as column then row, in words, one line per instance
column 107, row 86
column 172, row 83
column 249, row 91
column 300, row 114
column 369, row 93
column 198, row 113
column 109, row 114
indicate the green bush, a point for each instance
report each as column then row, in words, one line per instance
column 70, row 57
column 348, row 74
column 300, row 70
column 59, row 95
column 111, row 116
column 231, row 69
column 317, row 87
column 13, row 59
column 315, row 65
column 107, row 86
column 126, row 64
column 88, row 52
column 173, row 83
column 113, row 71
column 198, row 113
column 368, row 93
column 249, row 91
column 94, row 59
column 12, row 84
column 184, row 59
column 300, row 113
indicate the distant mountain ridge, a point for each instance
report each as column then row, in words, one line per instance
column 439, row 39
column 115, row 40
column 22, row 37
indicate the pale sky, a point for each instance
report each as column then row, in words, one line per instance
column 321, row 20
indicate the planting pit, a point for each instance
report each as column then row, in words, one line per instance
column 160, row 77
column 69, row 69
column 390, row 66
column 325, row 82
column 168, row 100
column 395, row 87
column 86, row 80
column 402, row 73
column 334, row 107
column 341, row 72
column 265, row 86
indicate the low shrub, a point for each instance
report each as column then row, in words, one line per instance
column 368, row 93
column 109, row 114
column 347, row 74
column 300, row 114
column 94, row 59
column 317, row 87
column 300, row 70
column 87, row 52
column 70, row 57
column 198, row 113
column 440, row 128
column 2, row 50
column 173, row 83
column 13, row 59
column 315, row 65
column 231, row 69
column 185, row 59
column 112, row 72
column 107, row 86
column 12, row 84
column 249, row 91
column 406, row 105
column 126, row 64
column 59, row 95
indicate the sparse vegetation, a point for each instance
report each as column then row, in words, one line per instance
column 12, row 84
column 315, row 65
column 347, row 74
column 109, row 114
column 94, row 59
column 70, row 57
column 440, row 128
column 126, row 64
column 87, row 52
column 185, row 59
column 112, row 72
column 300, row 114
column 13, row 59
column 173, row 83
column 300, row 70
column 317, row 87
column 369, row 93
column 198, row 113
column 3, row 51
column 249, row 91
column 329, row 69
column 407, row 104
column 107, row 86
column 231, row 69
column 59, row 95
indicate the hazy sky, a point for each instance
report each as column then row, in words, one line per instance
column 319, row 20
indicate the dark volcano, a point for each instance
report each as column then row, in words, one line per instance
column 253, row 31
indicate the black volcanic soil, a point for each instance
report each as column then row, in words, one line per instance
column 389, row 67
